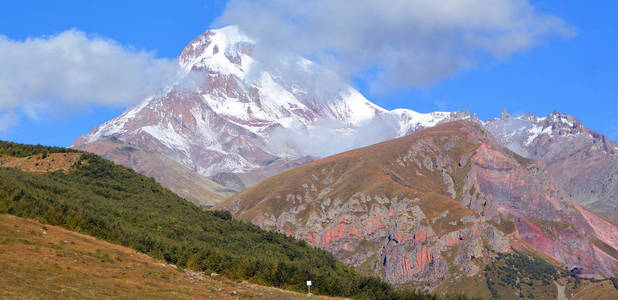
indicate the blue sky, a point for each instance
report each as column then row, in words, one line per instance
column 576, row 75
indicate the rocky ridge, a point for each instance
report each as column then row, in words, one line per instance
column 581, row 161
column 430, row 206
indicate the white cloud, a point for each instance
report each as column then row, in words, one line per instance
column 398, row 43
column 49, row 76
column 328, row 137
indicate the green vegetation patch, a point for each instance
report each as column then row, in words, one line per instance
column 550, row 227
column 606, row 248
column 21, row 150
column 528, row 276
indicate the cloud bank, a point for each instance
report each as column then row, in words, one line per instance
column 326, row 137
column 47, row 76
column 398, row 43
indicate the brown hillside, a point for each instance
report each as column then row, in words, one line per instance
column 40, row 261
column 39, row 164
column 367, row 170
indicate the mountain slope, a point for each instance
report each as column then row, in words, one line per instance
column 434, row 205
column 583, row 162
column 172, row 175
column 70, row 265
column 110, row 202
column 232, row 113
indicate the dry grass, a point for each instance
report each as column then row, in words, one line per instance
column 603, row 290
column 47, row 262
column 37, row 164
column 473, row 286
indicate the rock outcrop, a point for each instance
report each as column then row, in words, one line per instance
column 436, row 204
column 581, row 161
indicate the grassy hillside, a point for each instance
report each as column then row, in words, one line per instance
column 76, row 266
column 116, row 204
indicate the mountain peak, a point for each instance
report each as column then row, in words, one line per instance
column 505, row 114
column 217, row 50
column 232, row 113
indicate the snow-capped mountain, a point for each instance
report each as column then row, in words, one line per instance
column 584, row 162
column 232, row 113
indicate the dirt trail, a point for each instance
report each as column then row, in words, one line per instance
column 561, row 288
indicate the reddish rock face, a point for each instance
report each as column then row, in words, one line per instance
column 583, row 162
column 430, row 206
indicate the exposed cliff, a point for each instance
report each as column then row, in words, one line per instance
column 436, row 204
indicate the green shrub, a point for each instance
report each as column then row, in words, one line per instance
column 21, row 150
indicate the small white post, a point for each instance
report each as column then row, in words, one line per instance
column 308, row 287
